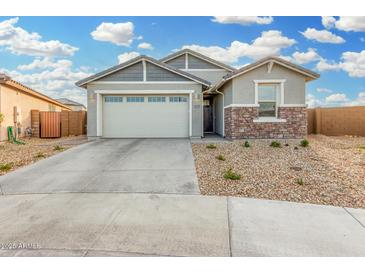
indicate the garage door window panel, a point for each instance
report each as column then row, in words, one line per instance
column 135, row 99
column 113, row 99
column 156, row 99
column 178, row 99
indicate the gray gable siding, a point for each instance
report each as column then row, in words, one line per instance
column 178, row 62
column 197, row 63
column 131, row 73
column 155, row 73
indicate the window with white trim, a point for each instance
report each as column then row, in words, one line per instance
column 113, row 99
column 135, row 99
column 178, row 99
column 156, row 99
column 268, row 94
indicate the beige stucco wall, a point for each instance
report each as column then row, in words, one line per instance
column 10, row 97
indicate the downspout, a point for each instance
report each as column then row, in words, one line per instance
column 221, row 93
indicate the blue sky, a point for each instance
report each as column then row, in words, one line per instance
column 51, row 53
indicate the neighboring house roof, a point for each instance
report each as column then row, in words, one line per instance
column 310, row 75
column 69, row 102
column 6, row 80
column 198, row 55
column 121, row 66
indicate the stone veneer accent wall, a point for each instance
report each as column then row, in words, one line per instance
column 239, row 123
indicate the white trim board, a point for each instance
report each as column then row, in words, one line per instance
column 241, row 105
column 264, row 63
column 144, row 91
column 142, row 83
column 187, row 70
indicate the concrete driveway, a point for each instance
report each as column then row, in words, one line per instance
column 139, row 198
column 112, row 165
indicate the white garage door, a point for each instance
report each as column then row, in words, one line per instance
column 140, row 116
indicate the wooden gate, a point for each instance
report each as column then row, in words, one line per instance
column 50, row 124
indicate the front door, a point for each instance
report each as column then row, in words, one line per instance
column 208, row 115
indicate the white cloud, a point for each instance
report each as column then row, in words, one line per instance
column 362, row 39
column 351, row 62
column 324, row 65
column 19, row 41
column 124, row 57
column 336, row 98
column 121, row 34
column 324, row 90
column 312, row 101
column 351, row 23
column 328, row 21
column 55, row 81
column 322, row 36
column 269, row 43
column 306, row 57
column 145, row 45
column 45, row 63
column 243, row 20
column 354, row 63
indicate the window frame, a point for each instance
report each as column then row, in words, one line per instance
column 279, row 94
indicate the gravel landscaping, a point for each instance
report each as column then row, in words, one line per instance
column 330, row 171
column 13, row 156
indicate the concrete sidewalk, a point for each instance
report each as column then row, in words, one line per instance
column 124, row 224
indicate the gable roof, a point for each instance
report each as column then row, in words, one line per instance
column 310, row 75
column 69, row 102
column 135, row 60
column 6, row 80
column 198, row 55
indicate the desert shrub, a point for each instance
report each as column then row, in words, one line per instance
column 57, row 148
column 230, row 175
column 221, row 157
column 246, row 144
column 299, row 181
column 275, row 144
column 40, row 155
column 6, row 166
column 1, row 117
column 304, row 143
column 211, row 146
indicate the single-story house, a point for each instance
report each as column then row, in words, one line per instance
column 16, row 103
column 74, row 106
column 187, row 94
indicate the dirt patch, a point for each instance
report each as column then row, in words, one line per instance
column 331, row 171
column 13, row 156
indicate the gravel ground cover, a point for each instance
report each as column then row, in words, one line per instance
column 13, row 156
column 330, row 171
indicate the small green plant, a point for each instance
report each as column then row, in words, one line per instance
column 246, row 144
column 221, row 157
column 57, row 148
column 275, row 144
column 230, row 175
column 299, row 181
column 6, row 167
column 304, row 143
column 40, row 155
column 211, row 146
